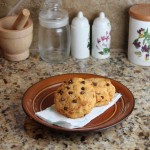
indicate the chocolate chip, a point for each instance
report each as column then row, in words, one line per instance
column 102, row 97
column 82, row 92
column 70, row 92
column 83, row 82
column 68, row 87
column 74, row 101
column 82, row 88
column 60, row 92
column 65, row 108
column 70, row 81
column 107, row 84
column 94, row 83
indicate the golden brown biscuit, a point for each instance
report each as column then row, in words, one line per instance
column 75, row 98
column 104, row 89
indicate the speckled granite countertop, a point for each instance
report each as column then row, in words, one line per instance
column 17, row 131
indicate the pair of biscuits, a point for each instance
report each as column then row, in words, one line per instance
column 77, row 96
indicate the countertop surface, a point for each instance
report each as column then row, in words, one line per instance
column 18, row 131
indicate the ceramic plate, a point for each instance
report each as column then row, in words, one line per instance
column 40, row 96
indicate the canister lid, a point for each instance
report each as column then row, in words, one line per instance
column 101, row 21
column 140, row 12
column 80, row 21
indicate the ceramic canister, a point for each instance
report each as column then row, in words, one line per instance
column 139, row 35
column 101, row 37
column 80, row 37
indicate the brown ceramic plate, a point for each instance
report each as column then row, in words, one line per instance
column 40, row 96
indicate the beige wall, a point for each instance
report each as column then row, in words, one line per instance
column 115, row 10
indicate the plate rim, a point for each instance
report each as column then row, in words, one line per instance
column 56, row 128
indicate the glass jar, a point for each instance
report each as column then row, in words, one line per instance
column 54, row 32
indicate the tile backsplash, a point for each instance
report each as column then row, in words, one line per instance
column 115, row 10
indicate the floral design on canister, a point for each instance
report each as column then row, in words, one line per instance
column 142, row 43
column 103, row 44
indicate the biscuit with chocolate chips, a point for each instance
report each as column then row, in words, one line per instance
column 75, row 98
column 104, row 89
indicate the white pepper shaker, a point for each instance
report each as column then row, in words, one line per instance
column 80, row 37
column 101, row 37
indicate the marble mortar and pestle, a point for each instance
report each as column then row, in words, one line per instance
column 16, row 34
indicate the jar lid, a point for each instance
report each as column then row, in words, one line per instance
column 140, row 12
column 56, row 19
column 102, row 20
column 52, row 15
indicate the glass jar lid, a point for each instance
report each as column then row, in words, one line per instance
column 52, row 16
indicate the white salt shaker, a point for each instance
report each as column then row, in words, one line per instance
column 80, row 37
column 101, row 37
column 139, row 35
